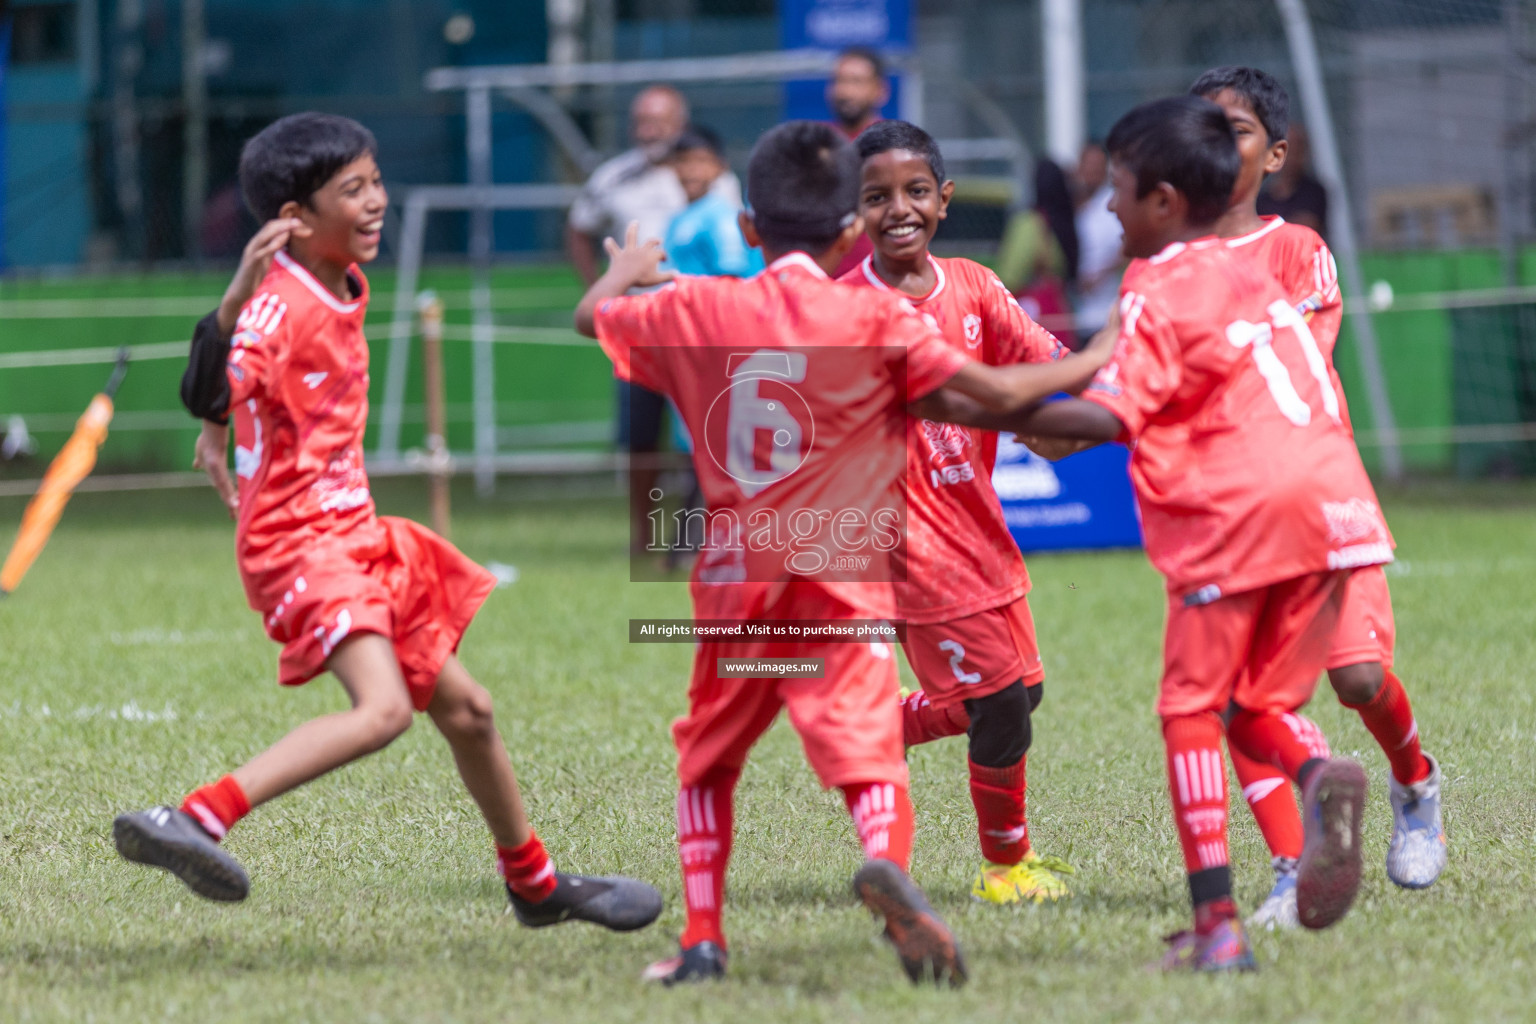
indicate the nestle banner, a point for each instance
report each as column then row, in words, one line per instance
column 1082, row 502
column 883, row 25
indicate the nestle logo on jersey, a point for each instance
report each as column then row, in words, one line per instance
column 799, row 455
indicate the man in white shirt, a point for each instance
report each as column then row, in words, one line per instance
column 637, row 185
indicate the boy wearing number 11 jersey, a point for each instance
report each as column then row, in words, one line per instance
column 794, row 389
column 1360, row 662
column 1254, row 504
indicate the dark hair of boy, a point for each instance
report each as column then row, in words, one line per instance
column 293, row 157
column 697, row 136
column 802, row 186
column 1265, row 96
column 867, row 54
column 885, row 136
column 1184, row 141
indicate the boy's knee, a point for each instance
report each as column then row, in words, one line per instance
column 1000, row 731
column 386, row 721
column 471, row 716
column 1357, row 684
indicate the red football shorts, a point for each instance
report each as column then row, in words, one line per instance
column 849, row 721
column 406, row 583
column 1263, row 649
column 975, row 656
column 1367, row 631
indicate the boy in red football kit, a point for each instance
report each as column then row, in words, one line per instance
column 793, row 388
column 1254, row 504
column 970, row 636
column 1360, row 662
column 379, row 601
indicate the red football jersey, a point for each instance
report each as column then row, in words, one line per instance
column 961, row 559
column 793, row 388
column 298, row 378
column 1299, row 259
column 1243, row 469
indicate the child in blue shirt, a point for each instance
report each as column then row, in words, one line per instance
column 705, row 239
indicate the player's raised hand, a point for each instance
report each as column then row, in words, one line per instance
column 211, row 455
column 255, row 261
column 637, row 262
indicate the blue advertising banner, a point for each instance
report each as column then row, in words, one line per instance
column 1082, row 502
column 882, row 25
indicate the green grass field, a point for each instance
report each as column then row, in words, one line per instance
column 133, row 671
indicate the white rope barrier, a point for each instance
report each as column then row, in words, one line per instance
column 89, row 356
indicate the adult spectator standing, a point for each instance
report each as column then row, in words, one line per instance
column 1100, row 259
column 856, row 93
column 637, row 185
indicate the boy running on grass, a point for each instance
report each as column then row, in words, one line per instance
column 1255, row 508
column 379, row 601
column 970, row 636
column 794, row 388
column 1360, row 661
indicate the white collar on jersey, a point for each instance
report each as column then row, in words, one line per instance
column 798, row 259
column 1173, row 249
column 868, row 267
column 1271, row 224
column 307, row 279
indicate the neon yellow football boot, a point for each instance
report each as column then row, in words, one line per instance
column 1035, row 879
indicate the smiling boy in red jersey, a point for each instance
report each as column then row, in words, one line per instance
column 1360, row 663
column 1254, row 504
column 970, row 636
column 379, row 601
column 793, row 388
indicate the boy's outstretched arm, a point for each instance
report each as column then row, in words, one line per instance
column 632, row 265
column 1070, row 420
column 993, row 397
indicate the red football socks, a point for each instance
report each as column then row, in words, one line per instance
column 1197, row 782
column 527, row 869
column 1283, row 739
column 998, row 795
column 1273, row 803
column 882, row 812
column 921, row 722
column 704, row 822
column 1389, row 717
column 218, row 806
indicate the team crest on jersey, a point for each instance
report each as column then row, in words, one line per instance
column 1351, row 521
column 972, row 330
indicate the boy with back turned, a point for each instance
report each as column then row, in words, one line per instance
column 1255, row 508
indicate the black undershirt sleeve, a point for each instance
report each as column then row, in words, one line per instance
column 204, row 387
